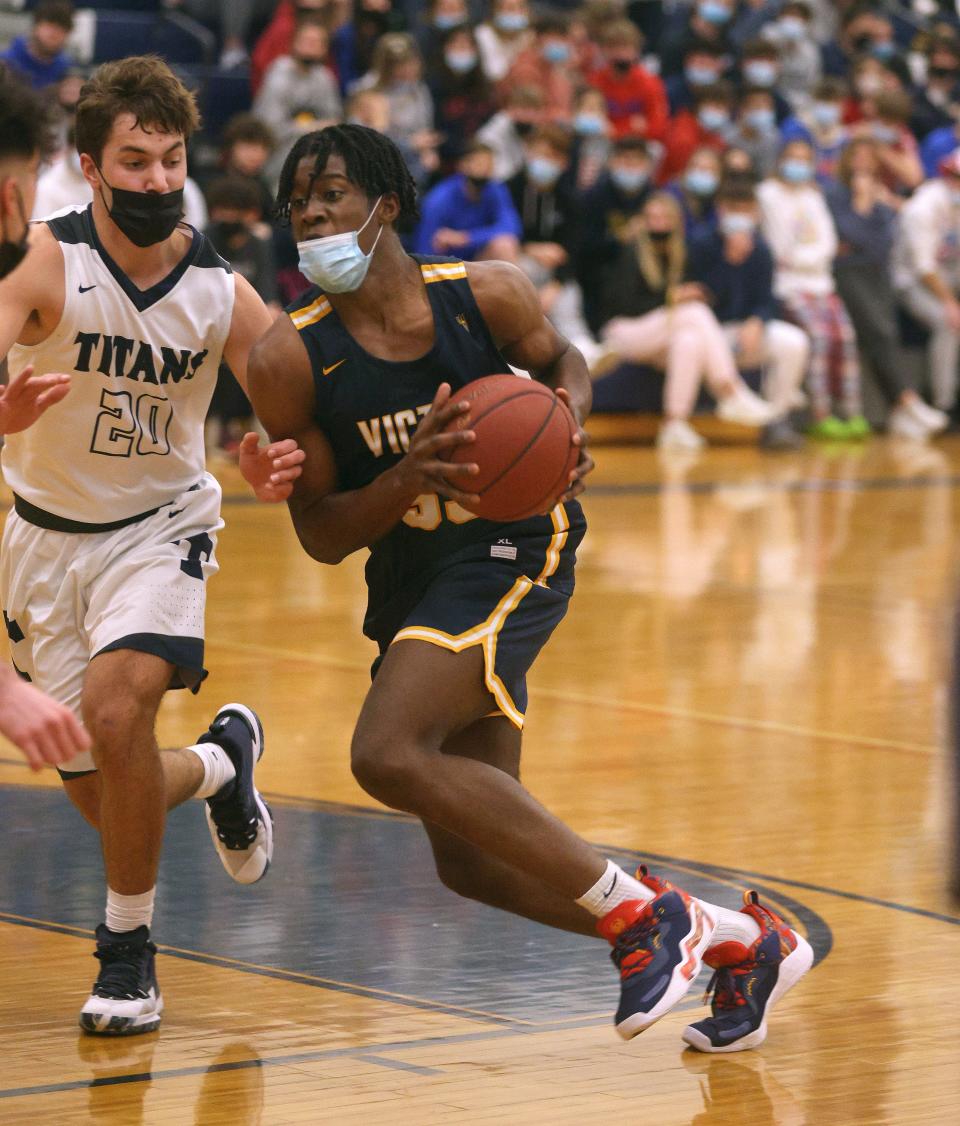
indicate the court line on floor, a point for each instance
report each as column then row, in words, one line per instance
column 922, row 750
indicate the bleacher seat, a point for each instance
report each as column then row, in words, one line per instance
column 176, row 38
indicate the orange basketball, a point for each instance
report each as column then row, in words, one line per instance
column 524, row 446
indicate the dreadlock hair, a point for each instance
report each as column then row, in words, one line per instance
column 373, row 162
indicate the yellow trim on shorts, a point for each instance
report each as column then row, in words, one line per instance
column 561, row 525
column 311, row 313
column 442, row 271
column 485, row 634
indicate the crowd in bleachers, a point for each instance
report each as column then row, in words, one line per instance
column 736, row 193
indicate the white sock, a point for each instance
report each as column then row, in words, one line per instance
column 613, row 888
column 127, row 912
column 218, row 770
column 732, row 926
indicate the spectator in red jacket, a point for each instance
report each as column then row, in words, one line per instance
column 636, row 99
column 278, row 35
column 708, row 125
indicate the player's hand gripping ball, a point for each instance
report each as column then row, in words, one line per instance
column 524, row 446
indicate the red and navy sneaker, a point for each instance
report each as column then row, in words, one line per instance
column 748, row 982
column 658, row 947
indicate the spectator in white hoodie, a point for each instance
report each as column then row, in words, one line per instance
column 926, row 273
column 800, row 231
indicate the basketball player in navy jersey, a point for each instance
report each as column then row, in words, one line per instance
column 363, row 373
column 105, row 558
column 46, row 732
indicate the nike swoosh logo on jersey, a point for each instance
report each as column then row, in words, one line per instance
column 333, row 367
column 84, row 288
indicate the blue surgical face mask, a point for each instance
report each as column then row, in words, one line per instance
column 886, row 134
column 445, row 23
column 792, row 28
column 760, row 73
column 460, row 61
column 701, row 181
column 511, row 21
column 763, row 120
column 699, row 75
column 735, row 223
column 796, row 170
column 885, row 49
column 714, row 12
column 543, row 171
column 589, row 125
column 556, row 52
column 629, row 180
column 335, row 262
column 826, row 114
column 713, row 119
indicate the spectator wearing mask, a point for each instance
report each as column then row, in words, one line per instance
column 936, row 100
column 463, row 100
column 299, row 90
column 372, row 108
column 470, row 215
column 545, row 198
column 438, row 19
column 865, row 217
column 864, row 30
column 756, row 129
column 760, row 69
column 606, row 212
column 799, row 229
column 734, row 266
column 235, row 230
column 792, row 33
column 926, row 273
column 636, row 99
column 696, row 191
column 885, row 118
column 40, row 58
column 707, row 126
column 508, row 130
column 277, row 37
column 549, row 65
column 704, row 64
column 503, row 37
column 704, row 21
column 820, row 124
column 592, row 138
column 653, row 316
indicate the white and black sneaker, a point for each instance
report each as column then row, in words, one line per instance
column 240, row 821
column 126, row 998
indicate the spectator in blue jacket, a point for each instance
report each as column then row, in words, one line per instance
column 734, row 267
column 470, row 214
column 39, row 58
column 936, row 145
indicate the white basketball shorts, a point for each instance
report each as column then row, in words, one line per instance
column 69, row 596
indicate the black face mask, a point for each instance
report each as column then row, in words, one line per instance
column 146, row 218
column 13, row 253
column 479, row 182
column 659, row 237
column 943, row 72
column 523, row 128
column 232, row 229
column 622, row 66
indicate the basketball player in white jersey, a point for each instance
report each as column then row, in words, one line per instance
column 46, row 732
column 106, row 556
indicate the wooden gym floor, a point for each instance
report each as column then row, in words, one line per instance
column 749, row 689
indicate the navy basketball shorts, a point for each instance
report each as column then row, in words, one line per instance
column 506, row 606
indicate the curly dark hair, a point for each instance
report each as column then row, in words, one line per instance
column 26, row 126
column 373, row 162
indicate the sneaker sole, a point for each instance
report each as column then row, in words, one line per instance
column 252, row 721
column 693, row 945
column 792, row 969
column 102, row 1024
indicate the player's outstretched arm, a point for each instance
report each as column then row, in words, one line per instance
column 271, row 470
column 46, row 732
column 511, row 307
column 332, row 524
column 27, row 396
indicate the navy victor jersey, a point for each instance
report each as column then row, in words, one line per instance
column 368, row 408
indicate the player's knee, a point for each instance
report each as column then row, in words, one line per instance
column 386, row 770
column 116, row 721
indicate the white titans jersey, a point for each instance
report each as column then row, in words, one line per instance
column 143, row 364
